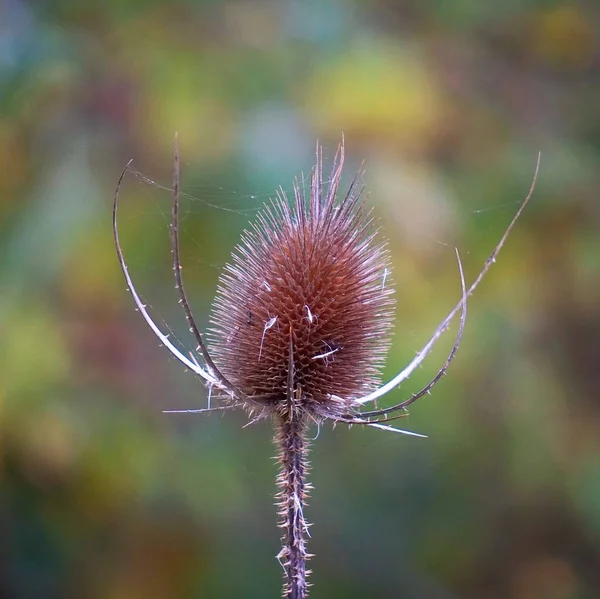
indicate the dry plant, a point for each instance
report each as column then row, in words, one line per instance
column 300, row 328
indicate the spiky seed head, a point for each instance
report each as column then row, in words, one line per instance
column 307, row 289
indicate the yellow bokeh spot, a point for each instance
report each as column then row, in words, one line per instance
column 33, row 354
column 563, row 36
column 377, row 90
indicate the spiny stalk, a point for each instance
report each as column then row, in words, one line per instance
column 291, row 441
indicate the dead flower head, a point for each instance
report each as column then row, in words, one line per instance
column 300, row 328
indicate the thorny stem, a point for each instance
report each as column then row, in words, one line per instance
column 290, row 439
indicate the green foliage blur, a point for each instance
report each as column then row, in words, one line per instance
column 102, row 496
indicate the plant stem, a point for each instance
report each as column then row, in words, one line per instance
column 290, row 439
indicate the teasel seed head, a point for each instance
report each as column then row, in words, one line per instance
column 301, row 325
column 307, row 289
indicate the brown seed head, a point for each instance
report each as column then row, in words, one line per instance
column 308, row 287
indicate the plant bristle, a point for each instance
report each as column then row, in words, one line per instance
column 316, row 272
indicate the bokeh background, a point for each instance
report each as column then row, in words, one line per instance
column 102, row 496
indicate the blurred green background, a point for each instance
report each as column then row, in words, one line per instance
column 102, row 495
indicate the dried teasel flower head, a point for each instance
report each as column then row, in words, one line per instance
column 307, row 289
column 300, row 326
